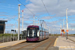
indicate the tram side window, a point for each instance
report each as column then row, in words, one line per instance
column 40, row 33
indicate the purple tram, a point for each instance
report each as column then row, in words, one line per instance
column 36, row 33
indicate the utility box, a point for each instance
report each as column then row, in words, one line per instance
column 2, row 26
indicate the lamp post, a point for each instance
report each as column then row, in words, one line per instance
column 66, row 24
column 18, row 20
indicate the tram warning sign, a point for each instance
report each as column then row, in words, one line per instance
column 62, row 30
column 66, row 30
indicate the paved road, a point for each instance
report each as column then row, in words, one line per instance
column 43, row 45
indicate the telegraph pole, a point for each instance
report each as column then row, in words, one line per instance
column 18, row 20
column 66, row 24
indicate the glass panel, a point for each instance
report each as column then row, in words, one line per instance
column 32, row 32
column 1, row 27
column 2, row 22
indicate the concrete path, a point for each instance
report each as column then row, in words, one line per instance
column 64, row 44
column 72, row 38
column 12, row 43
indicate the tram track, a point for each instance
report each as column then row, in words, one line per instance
column 31, row 45
column 24, row 46
column 43, row 45
column 52, row 41
column 40, row 44
column 50, row 44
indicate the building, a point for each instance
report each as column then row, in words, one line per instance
column 2, row 26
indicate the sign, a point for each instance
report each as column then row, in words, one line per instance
column 13, row 30
column 66, row 30
column 32, row 28
column 62, row 30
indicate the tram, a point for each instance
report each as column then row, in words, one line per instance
column 36, row 33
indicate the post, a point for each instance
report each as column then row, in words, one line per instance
column 63, row 24
column 60, row 29
column 22, row 20
column 33, row 19
column 18, row 20
column 63, row 28
column 66, row 24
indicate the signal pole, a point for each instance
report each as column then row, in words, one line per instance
column 66, row 24
column 18, row 20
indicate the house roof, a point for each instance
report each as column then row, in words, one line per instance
column 3, row 20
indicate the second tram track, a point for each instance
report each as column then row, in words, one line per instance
column 50, row 44
column 41, row 44
column 24, row 46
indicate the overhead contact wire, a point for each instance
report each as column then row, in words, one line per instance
column 45, row 7
column 26, row 7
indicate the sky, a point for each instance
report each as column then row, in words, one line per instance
column 53, row 12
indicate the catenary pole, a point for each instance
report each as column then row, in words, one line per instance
column 66, row 24
column 18, row 20
column 22, row 20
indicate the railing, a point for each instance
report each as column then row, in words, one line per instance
column 10, row 38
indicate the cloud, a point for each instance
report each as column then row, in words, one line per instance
column 46, row 17
column 52, row 7
column 3, row 19
column 3, row 15
column 72, row 25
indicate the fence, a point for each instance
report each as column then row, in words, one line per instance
column 11, row 38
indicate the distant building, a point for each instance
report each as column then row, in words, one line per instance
column 2, row 26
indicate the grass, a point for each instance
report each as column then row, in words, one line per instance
column 60, row 35
column 8, row 34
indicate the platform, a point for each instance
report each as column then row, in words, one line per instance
column 11, row 43
column 64, row 44
column 72, row 38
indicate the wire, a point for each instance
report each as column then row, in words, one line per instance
column 45, row 7
column 26, row 7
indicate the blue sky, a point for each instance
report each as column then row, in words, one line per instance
column 56, row 9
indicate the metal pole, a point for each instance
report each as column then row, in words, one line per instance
column 63, row 23
column 66, row 24
column 22, row 20
column 63, row 28
column 33, row 19
column 18, row 20
column 60, row 29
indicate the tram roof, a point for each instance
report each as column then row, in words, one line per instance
column 33, row 26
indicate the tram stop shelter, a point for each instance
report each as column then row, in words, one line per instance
column 2, row 26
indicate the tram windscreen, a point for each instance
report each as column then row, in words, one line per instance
column 32, row 32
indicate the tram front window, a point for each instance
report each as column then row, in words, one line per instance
column 32, row 33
